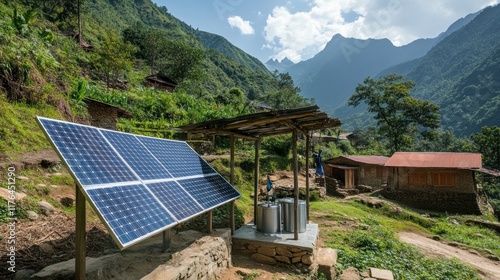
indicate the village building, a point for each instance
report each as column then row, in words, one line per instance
column 161, row 81
column 104, row 115
column 350, row 172
column 437, row 181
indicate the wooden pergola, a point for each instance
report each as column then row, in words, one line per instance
column 256, row 126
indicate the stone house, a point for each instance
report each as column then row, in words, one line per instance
column 352, row 171
column 437, row 181
column 103, row 114
column 161, row 81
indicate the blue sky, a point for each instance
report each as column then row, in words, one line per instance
column 299, row 29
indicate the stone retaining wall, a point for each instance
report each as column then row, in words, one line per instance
column 206, row 258
column 274, row 253
column 464, row 203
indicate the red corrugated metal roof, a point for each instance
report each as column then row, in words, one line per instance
column 377, row 160
column 435, row 159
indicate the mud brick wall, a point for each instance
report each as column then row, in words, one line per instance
column 102, row 115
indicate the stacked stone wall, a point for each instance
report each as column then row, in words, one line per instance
column 274, row 253
column 206, row 258
column 463, row 203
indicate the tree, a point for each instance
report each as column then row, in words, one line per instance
column 181, row 61
column 56, row 10
column 285, row 94
column 488, row 142
column 399, row 116
column 114, row 58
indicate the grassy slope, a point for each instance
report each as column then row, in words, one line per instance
column 365, row 237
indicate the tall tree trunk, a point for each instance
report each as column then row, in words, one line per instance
column 79, row 24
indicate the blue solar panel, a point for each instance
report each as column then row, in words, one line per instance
column 136, row 155
column 139, row 185
column 130, row 211
column 87, row 153
column 177, row 200
column 177, row 157
column 210, row 191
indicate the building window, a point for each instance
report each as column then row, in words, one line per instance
column 417, row 179
column 444, row 179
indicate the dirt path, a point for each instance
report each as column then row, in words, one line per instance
column 487, row 268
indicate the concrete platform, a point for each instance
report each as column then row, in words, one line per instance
column 307, row 240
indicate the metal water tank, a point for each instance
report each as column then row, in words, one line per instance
column 289, row 215
column 284, row 211
column 269, row 217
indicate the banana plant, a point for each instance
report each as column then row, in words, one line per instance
column 22, row 22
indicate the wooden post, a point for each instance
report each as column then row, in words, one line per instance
column 80, row 265
column 166, row 240
column 256, row 181
column 231, row 180
column 231, row 214
column 307, row 175
column 209, row 222
column 295, row 187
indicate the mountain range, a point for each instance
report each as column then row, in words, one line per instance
column 458, row 70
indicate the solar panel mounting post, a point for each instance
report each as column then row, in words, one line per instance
column 166, row 240
column 209, row 222
column 80, row 265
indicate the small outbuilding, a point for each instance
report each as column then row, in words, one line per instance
column 352, row 171
column 161, row 81
column 438, row 181
column 103, row 114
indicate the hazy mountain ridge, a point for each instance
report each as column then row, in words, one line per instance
column 445, row 68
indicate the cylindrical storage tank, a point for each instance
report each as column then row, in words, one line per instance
column 289, row 217
column 269, row 217
column 284, row 210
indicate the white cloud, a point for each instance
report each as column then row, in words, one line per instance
column 243, row 25
column 300, row 35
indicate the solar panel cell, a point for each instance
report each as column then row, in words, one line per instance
column 87, row 154
column 130, row 211
column 136, row 155
column 210, row 191
column 177, row 200
column 177, row 157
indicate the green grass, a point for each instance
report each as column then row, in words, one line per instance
column 19, row 131
column 370, row 241
column 480, row 239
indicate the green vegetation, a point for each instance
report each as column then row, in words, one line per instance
column 398, row 115
column 370, row 239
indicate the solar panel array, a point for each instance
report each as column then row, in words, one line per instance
column 138, row 185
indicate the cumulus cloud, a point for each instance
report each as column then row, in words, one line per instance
column 244, row 26
column 301, row 34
